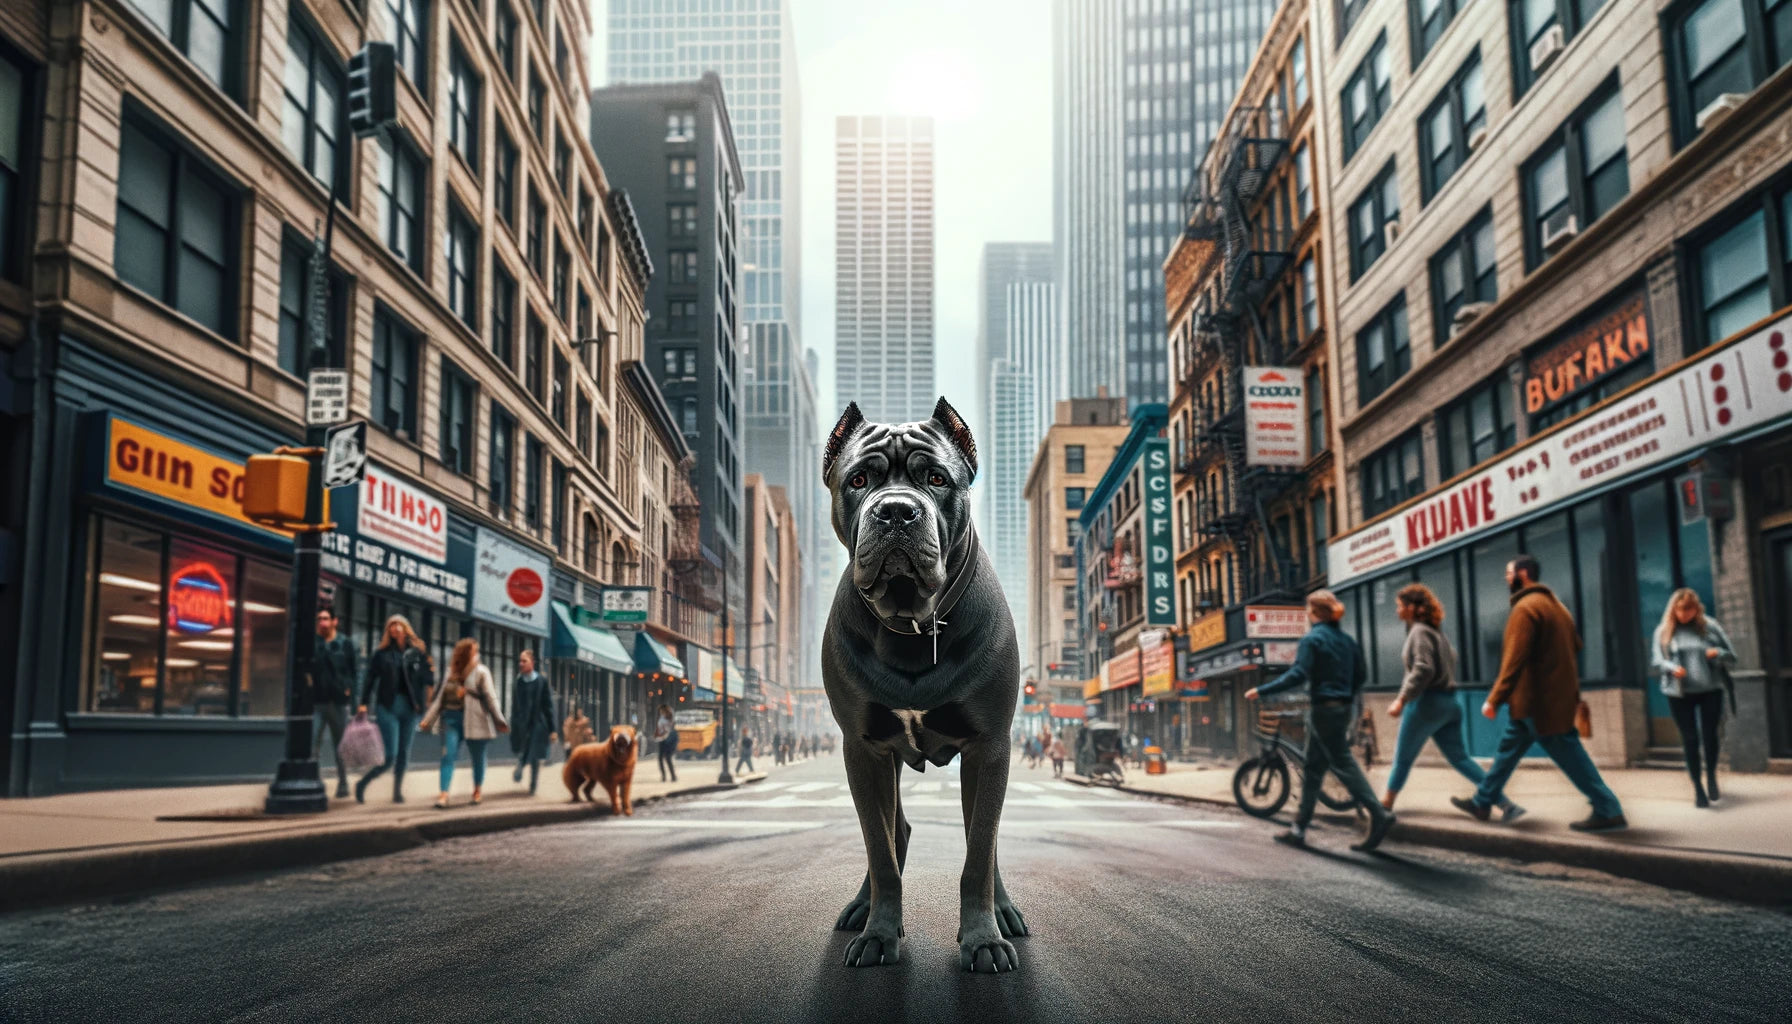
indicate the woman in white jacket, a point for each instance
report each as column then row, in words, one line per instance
column 465, row 707
column 1693, row 656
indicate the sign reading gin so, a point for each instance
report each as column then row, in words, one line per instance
column 393, row 536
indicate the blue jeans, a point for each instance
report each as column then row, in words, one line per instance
column 1434, row 716
column 397, row 726
column 453, row 731
column 1564, row 749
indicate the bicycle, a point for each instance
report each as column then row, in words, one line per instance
column 1261, row 785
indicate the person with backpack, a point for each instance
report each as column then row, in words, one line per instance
column 398, row 682
column 465, row 708
column 1693, row 656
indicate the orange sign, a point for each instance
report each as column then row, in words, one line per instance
column 149, row 462
column 1607, row 346
column 1159, row 664
column 1207, row 631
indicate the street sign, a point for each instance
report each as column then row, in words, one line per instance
column 345, row 454
column 326, row 397
column 625, row 605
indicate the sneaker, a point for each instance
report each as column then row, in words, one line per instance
column 1292, row 838
column 1470, row 808
column 1511, row 813
column 1594, row 823
column 1378, row 830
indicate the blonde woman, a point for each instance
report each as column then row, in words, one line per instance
column 397, row 684
column 465, row 707
column 1693, row 655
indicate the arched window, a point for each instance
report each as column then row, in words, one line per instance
column 618, row 564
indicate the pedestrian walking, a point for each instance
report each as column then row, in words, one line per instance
column 576, row 729
column 332, row 689
column 465, row 707
column 746, row 751
column 1426, row 704
column 1693, row 655
column 777, row 748
column 532, row 719
column 665, row 737
column 397, row 684
column 1539, row 685
column 1057, row 754
column 1330, row 663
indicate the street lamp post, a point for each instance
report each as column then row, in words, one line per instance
column 726, row 778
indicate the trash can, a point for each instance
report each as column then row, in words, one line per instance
column 1155, row 761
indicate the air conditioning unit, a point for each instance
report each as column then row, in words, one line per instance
column 1466, row 315
column 1547, row 46
column 1476, row 137
column 1391, row 231
column 1559, row 229
column 1718, row 109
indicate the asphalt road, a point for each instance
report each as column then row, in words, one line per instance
column 721, row 907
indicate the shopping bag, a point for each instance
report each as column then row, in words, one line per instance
column 361, row 747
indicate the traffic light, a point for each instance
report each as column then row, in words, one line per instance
column 372, row 89
column 1031, row 688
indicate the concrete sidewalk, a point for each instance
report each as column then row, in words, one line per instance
column 1741, row 848
column 84, row 845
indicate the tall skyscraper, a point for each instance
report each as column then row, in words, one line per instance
column 1003, row 264
column 1015, row 435
column 1140, row 87
column 783, row 445
column 883, row 266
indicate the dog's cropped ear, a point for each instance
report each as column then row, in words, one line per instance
column 947, row 419
column 850, row 422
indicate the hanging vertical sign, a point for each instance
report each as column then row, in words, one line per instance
column 1275, row 417
column 1160, row 554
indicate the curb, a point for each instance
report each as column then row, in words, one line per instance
column 41, row 880
column 1753, row 880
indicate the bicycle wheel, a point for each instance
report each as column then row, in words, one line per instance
column 1261, row 786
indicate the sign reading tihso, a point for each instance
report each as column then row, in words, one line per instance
column 510, row 584
column 386, row 530
column 1275, row 417
column 1160, row 555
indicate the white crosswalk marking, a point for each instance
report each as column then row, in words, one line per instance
column 921, row 793
column 811, row 787
column 1025, row 787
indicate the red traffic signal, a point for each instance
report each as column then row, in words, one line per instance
column 1031, row 688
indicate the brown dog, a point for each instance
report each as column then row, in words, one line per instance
column 611, row 763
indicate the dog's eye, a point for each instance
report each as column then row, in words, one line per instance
column 937, row 479
column 857, row 481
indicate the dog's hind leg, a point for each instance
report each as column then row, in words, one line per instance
column 853, row 917
column 875, row 794
column 981, row 945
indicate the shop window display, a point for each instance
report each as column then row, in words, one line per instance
column 201, row 630
column 127, row 609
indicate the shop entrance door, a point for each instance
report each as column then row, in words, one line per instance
column 1779, row 672
column 1668, row 556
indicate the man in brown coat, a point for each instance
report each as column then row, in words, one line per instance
column 1539, row 684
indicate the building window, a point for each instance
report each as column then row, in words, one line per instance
column 563, row 164
column 1392, row 475
column 1448, row 125
column 313, row 119
column 176, row 238
column 1074, row 498
column 538, row 105
column 537, row 242
column 1370, row 215
column 681, row 316
column 1316, row 426
column 562, row 61
column 499, row 457
column 533, row 457
column 1366, row 96
column 1463, row 272
column 682, row 220
column 582, row 428
column 1383, row 352
column 1577, row 177
column 1744, row 273
column 402, row 175
column 409, row 21
column 1322, row 530
column 683, row 266
column 17, row 120
column 681, row 125
column 1723, row 47
column 557, row 514
column 1309, row 298
column 1073, row 458
column 1429, row 19
column 688, row 418
column 681, row 174
column 209, row 32
column 1297, row 64
column 562, row 284
column 504, row 159
column 461, row 249
column 582, row 314
column 1348, row 12
column 463, row 106
column 392, row 384
column 1303, row 183
column 1535, row 26
column 1476, row 427
column 535, row 354
column 295, row 264
column 504, row 38
column 557, row 398
column 503, row 314
column 457, row 419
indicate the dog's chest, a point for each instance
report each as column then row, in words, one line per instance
column 918, row 736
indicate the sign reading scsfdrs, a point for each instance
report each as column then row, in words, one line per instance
column 1275, row 417
column 510, row 584
column 1742, row 385
column 1160, row 555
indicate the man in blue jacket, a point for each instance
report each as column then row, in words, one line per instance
column 1330, row 663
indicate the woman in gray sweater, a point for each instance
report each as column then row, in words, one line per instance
column 1426, row 705
column 1693, row 655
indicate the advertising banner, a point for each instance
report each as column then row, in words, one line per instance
column 1158, row 668
column 1275, row 417
column 1207, row 631
column 383, row 548
column 158, row 465
column 399, row 514
column 1160, row 553
column 1742, row 385
column 626, row 605
column 1275, row 622
column 510, row 584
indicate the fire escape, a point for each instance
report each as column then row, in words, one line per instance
column 1252, row 255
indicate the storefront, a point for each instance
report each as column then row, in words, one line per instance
column 588, row 665
column 1621, row 503
column 510, row 600
column 659, row 676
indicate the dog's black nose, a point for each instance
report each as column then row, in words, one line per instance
column 896, row 509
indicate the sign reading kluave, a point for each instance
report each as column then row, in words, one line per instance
column 510, row 584
column 1742, row 385
column 1275, row 417
column 1160, row 588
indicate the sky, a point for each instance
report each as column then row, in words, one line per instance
column 982, row 70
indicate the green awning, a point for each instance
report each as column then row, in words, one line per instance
column 653, row 656
column 593, row 646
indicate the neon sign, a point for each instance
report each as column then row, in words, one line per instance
column 198, row 600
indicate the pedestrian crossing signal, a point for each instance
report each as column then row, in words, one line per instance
column 372, row 89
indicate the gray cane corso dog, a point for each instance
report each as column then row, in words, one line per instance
column 920, row 664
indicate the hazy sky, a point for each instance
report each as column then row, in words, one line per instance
column 982, row 70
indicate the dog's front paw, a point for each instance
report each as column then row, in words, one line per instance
column 1008, row 918
column 877, row 944
column 852, row 918
column 983, row 950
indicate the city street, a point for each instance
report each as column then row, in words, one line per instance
column 721, row 907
